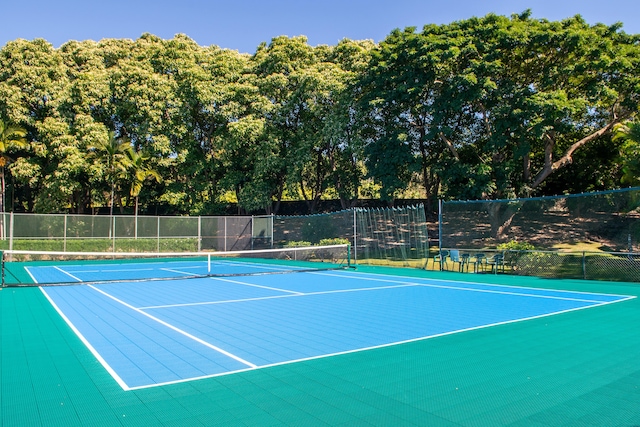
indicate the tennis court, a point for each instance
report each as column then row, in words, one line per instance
column 365, row 346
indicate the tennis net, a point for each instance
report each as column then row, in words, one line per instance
column 33, row 268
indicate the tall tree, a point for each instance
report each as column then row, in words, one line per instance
column 495, row 105
column 112, row 159
column 11, row 137
column 629, row 134
column 137, row 171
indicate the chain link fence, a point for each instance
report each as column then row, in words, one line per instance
column 393, row 236
column 124, row 233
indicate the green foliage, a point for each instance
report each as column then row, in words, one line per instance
column 487, row 108
column 334, row 241
column 629, row 134
column 105, row 245
column 515, row 245
column 296, row 244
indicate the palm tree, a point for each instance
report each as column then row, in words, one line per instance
column 138, row 171
column 113, row 153
column 11, row 136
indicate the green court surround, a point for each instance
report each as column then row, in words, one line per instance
column 580, row 368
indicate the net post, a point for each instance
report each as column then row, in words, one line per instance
column 208, row 263
column 2, row 268
column 348, row 255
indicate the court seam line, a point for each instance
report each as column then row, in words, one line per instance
column 506, row 322
column 176, row 329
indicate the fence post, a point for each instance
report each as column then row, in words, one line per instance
column 440, row 231
column 64, row 233
column 584, row 266
column 11, row 231
column 355, row 238
column 199, row 233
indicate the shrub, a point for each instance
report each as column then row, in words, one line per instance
column 515, row 245
column 334, row 241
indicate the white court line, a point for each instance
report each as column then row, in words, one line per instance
column 171, row 270
column 188, row 304
column 377, row 288
column 31, row 275
column 180, row 331
column 391, row 344
column 93, row 351
column 67, row 273
column 296, row 294
column 259, row 265
column 473, row 283
column 257, row 286
column 114, row 271
column 431, row 285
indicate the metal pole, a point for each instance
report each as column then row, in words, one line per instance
column 64, row 239
column 440, row 231
column 355, row 238
column 11, row 231
column 158, row 235
column 199, row 233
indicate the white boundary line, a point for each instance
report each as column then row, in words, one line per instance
column 462, row 288
column 296, row 294
column 31, row 275
column 176, row 329
column 67, row 273
column 93, row 351
column 399, row 284
column 348, row 273
column 251, row 366
column 257, row 286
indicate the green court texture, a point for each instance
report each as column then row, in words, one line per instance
column 580, row 368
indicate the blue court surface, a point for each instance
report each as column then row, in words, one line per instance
column 152, row 333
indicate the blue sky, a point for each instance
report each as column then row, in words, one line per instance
column 244, row 24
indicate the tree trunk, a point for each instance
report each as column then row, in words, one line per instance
column 550, row 166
